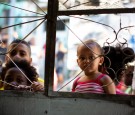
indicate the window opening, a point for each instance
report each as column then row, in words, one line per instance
column 124, row 42
column 116, row 39
column 103, row 7
column 41, row 18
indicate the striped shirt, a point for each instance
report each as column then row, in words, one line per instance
column 91, row 86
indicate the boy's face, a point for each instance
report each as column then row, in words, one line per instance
column 21, row 52
column 14, row 77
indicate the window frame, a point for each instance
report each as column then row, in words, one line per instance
column 50, row 53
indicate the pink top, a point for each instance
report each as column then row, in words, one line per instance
column 91, row 86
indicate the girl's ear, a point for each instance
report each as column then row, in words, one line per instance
column 101, row 60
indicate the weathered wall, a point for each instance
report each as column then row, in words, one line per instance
column 37, row 104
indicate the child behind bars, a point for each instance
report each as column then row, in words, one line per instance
column 90, row 58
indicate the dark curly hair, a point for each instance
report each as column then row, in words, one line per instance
column 28, row 69
column 116, row 58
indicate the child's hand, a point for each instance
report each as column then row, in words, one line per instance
column 36, row 86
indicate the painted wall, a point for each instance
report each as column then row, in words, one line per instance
column 25, row 103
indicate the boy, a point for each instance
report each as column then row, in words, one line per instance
column 20, row 50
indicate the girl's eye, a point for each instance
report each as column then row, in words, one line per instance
column 92, row 57
column 82, row 58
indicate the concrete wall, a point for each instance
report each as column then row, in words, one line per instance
column 25, row 103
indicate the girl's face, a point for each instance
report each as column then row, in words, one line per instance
column 21, row 52
column 87, row 60
column 14, row 77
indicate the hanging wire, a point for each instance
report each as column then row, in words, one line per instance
column 20, row 70
column 62, row 21
column 22, row 17
column 23, row 39
column 94, row 22
column 21, row 8
column 65, row 2
column 78, row 37
column 71, row 80
column 17, row 87
column 9, row 83
column 44, row 18
column 81, row 72
column 39, row 7
column 22, row 23
column 116, row 34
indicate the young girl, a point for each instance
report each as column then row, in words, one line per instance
column 90, row 58
column 19, row 79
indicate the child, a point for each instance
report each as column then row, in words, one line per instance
column 90, row 57
column 20, row 50
column 18, row 79
column 114, row 64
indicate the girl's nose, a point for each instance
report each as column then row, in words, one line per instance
column 87, row 60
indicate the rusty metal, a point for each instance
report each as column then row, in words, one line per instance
column 96, row 11
column 50, row 45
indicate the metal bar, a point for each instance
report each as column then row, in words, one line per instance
column 38, row 7
column 21, row 23
column 21, row 16
column 50, row 45
column 96, row 11
column 21, row 8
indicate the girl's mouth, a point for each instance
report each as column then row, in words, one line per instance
column 87, row 67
